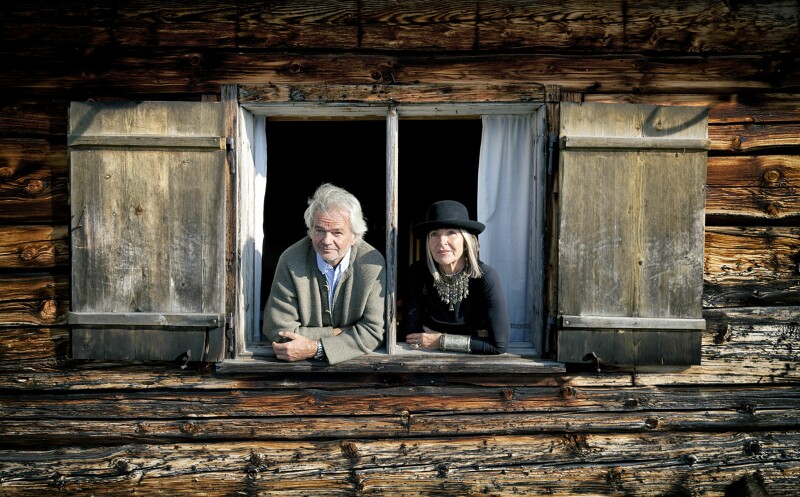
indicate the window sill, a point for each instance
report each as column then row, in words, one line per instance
column 260, row 359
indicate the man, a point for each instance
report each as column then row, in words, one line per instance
column 327, row 296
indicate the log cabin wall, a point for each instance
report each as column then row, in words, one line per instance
column 727, row 427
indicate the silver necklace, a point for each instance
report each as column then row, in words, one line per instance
column 453, row 288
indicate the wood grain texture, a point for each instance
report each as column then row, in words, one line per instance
column 685, row 26
column 36, row 300
column 727, row 427
column 34, row 247
column 499, row 465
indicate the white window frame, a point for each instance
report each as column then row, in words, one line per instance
column 251, row 158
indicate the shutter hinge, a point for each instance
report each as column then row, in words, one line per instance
column 229, row 150
column 229, row 332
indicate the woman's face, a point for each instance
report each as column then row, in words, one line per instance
column 446, row 246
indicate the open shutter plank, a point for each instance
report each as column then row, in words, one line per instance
column 147, row 184
column 631, row 227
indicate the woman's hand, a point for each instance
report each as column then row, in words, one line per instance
column 427, row 340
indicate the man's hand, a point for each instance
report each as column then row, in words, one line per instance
column 296, row 348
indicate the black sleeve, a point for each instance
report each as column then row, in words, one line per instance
column 497, row 312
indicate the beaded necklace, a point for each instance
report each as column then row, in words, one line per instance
column 453, row 288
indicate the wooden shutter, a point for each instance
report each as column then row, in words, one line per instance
column 631, row 229
column 147, row 195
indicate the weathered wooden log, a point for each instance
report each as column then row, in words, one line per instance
column 38, row 117
column 751, row 254
column 88, row 418
column 753, row 137
column 752, row 189
column 23, row 247
column 33, row 181
column 722, row 108
column 34, row 300
column 646, row 464
column 766, row 171
column 202, row 71
column 761, row 206
column 700, row 26
column 23, row 345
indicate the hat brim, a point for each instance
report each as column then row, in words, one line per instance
column 473, row 227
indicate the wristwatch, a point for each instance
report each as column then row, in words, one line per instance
column 320, row 355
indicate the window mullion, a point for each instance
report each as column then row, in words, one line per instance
column 391, row 228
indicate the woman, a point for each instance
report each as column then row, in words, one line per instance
column 454, row 302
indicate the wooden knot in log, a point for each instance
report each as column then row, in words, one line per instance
column 350, row 450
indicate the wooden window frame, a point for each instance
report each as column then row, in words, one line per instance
column 251, row 355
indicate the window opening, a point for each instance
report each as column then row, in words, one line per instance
column 304, row 154
column 438, row 157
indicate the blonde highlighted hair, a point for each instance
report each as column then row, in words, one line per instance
column 471, row 250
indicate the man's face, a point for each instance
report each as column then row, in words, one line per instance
column 331, row 236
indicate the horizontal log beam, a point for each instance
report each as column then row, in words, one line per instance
column 703, row 26
column 20, row 346
column 729, row 108
column 648, row 464
column 34, row 300
column 24, row 247
column 199, row 71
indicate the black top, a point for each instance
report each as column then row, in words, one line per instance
column 482, row 315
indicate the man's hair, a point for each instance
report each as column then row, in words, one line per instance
column 329, row 198
column 471, row 248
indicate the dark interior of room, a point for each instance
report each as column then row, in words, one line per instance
column 437, row 159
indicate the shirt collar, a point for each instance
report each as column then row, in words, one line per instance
column 324, row 267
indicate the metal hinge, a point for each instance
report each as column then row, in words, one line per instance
column 229, row 332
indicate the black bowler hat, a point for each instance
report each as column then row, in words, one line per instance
column 447, row 214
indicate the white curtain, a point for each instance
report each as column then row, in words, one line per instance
column 508, row 203
column 260, row 191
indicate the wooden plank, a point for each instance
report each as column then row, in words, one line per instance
column 33, row 186
column 749, row 138
column 648, row 464
column 611, row 142
column 421, row 362
column 195, row 319
column 407, row 410
column 200, row 142
column 39, row 300
column 761, row 107
column 685, row 26
column 34, row 246
column 21, row 346
column 751, row 254
column 175, row 72
column 599, row 347
column 27, row 433
column 764, row 171
column 33, row 117
column 632, row 322
column 391, row 93
column 144, row 344
column 754, row 205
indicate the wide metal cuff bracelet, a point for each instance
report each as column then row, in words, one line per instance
column 454, row 343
